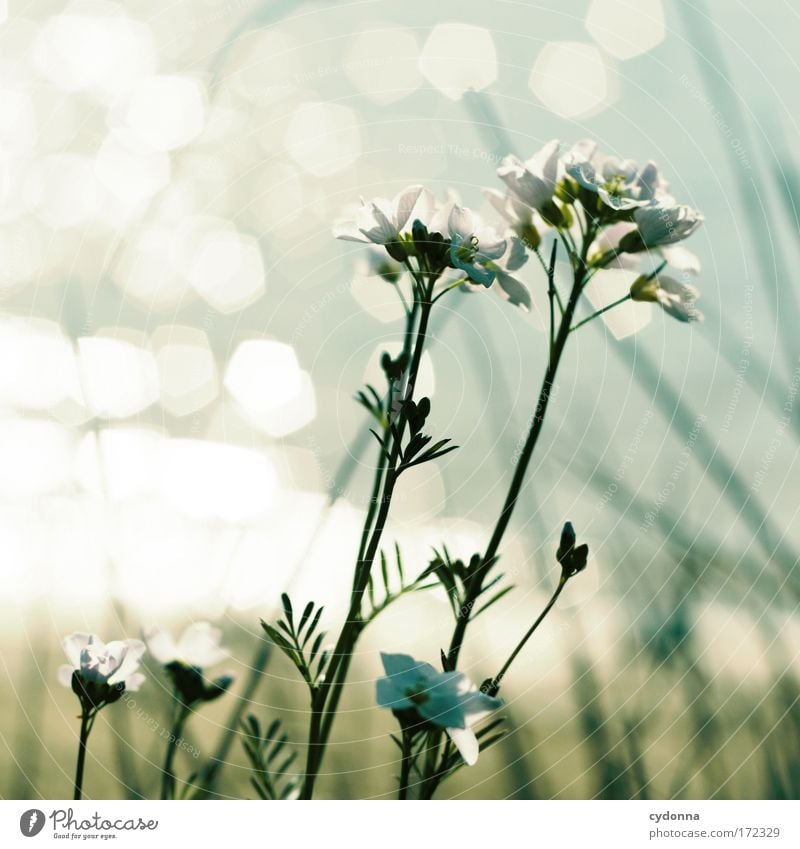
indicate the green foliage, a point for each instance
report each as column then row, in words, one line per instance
column 458, row 580
column 392, row 585
column 301, row 643
column 270, row 759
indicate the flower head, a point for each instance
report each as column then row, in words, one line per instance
column 619, row 183
column 523, row 221
column 533, row 181
column 99, row 673
column 184, row 661
column 572, row 558
column 384, row 222
column 473, row 245
column 199, row 645
column 418, row 694
column 675, row 298
column 661, row 225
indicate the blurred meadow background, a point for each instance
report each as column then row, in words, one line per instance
column 181, row 338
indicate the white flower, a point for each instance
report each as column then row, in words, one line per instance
column 522, row 219
column 472, row 244
column 620, row 184
column 99, row 663
column 198, row 646
column 675, row 298
column 445, row 699
column 505, row 284
column 382, row 221
column 662, row 225
column 608, row 244
column 533, row 181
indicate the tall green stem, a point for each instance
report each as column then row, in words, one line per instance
column 326, row 698
column 86, row 727
column 556, row 350
column 518, row 479
column 168, row 773
column 405, row 766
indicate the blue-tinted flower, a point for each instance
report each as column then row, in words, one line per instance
column 447, row 700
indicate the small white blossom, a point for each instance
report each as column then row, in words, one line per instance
column 620, row 184
column 199, row 646
column 664, row 225
column 675, row 298
column 381, row 221
column 473, row 245
column 534, row 180
column 520, row 218
column 448, row 700
column 100, row 663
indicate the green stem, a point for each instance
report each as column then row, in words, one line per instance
column 600, row 312
column 326, row 699
column 495, row 686
column 518, row 479
column 168, row 773
column 405, row 767
column 475, row 586
column 86, row 727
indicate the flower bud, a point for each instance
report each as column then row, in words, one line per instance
column 645, row 288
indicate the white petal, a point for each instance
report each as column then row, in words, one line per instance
column 134, row 682
column 461, row 222
column 200, row 645
column 160, row 645
column 546, row 161
column 133, row 651
column 404, row 203
column 73, row 645
column 466, row 742
column 681, row 259
column 65, row 675
column 513, row 291
column 348, row 231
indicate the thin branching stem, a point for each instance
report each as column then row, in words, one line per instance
column 326, row 698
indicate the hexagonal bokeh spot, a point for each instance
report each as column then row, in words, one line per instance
column 323, row 138
column 458, row 57
column 166, row 111
column 222, row 265
column 186, row 368
column 273, row 393
column 626, row 29
column 119, row 375
column 382, row 62
column 571, row 79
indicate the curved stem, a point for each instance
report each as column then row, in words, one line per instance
column 600, row 312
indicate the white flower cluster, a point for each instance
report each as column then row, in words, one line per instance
column 630, row 208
